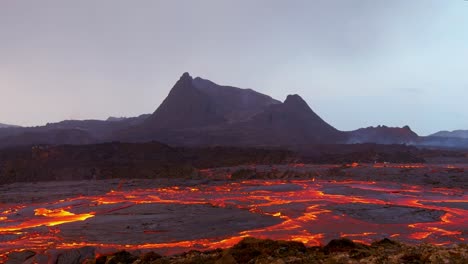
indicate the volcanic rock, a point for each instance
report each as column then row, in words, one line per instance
column 388, row 214
column 185, row 106
column 341, row 245
column 150, row 256
column 227, row 258
column 121, row 257
column 40, row 259
column 76, row 256
column 250, row 248
column 385, row 243
column 383, row 135
column 159, row 223
column 234, row 104
column 291, row 123
column 19, row 257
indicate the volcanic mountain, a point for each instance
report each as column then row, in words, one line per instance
column 451, row 134
column 197, row 103
column 6, row 126
column 383, row 135
column 200, row 112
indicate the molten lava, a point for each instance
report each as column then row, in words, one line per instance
column 310, row 211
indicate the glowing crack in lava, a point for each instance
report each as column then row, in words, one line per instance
column 175, row 219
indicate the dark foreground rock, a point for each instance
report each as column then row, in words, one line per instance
column 259, row 251
column 20, row 257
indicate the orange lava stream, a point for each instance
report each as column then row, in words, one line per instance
column 48, row 218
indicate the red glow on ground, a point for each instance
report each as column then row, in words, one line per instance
column 313, row 224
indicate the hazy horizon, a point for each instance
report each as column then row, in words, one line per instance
column 356, row 63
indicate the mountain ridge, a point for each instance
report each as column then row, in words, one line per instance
column 460, row 133
column 199, row 112
column 383, row 135
column 7, row 125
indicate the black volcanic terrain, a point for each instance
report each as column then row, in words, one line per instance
column 153, row 160
column 124, row 160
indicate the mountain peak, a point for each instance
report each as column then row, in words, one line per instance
column 183, row 85
column 184, row 107
column 186, row 75
column 185, row 80
column 296, row 101
column 294, row 98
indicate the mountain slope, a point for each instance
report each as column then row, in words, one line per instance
column 234, row 104
column 99, row 129
column 7, row 126
column 451, row 134
column 200, row 112
column 36, row 136
column 383, row 135
column 184, row 107
column 291, row 123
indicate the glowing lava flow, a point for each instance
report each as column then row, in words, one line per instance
column 49, row 218
column 306, row 209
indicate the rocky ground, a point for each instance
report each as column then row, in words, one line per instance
column 154, row 160
column 258, row 251
column 433, row 175
column 412, row 203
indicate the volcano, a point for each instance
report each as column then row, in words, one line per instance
column 201, row 112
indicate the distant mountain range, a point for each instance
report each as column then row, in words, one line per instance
column 452, row 134
column 6, row 126
column 198, row 112
column 384, row 135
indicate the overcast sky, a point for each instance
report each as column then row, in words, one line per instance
column 356, row 62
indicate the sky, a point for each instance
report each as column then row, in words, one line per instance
column 357, row 63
